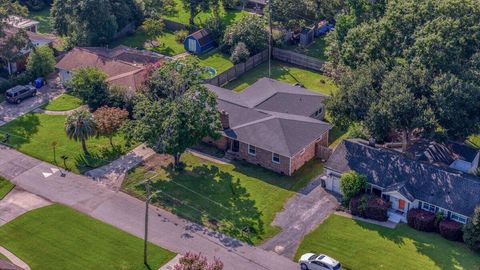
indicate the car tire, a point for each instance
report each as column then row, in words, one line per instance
column 303, row 266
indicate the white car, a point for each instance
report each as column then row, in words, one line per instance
column 311, row 261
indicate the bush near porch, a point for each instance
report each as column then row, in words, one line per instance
column 369, row 206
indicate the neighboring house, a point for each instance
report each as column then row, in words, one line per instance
column 22, row 23
column 418, row 179
column 275, row 125
column 124, row 66
column 200, row 42
column 36, row 39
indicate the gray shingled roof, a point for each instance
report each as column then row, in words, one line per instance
column 262, row 116
column 452, row 190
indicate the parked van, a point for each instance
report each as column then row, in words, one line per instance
column 20, row 92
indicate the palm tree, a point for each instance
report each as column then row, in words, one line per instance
column 80, row 126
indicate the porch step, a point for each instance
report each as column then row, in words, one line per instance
column 394, row 218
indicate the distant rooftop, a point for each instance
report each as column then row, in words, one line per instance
column 20, row 22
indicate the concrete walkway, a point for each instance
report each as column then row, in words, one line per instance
column 40, row 110
column 302, row 214
column 17, row 203
column 127, row 213
column 113, row 174
column 14, row 259
column 386, row 224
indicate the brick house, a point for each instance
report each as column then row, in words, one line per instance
column 272, row 124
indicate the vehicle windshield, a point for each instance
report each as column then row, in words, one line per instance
column 312, row 257
column 8, row 94
column 338, row 266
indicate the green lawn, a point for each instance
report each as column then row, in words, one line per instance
column 5, row 187
column 64, row 102
column 168, row 45
column 181, row 15
column 362, row 246
column 216, row 59
column 226, row 197
column 474, row 141
column 44, row 18
column 34, row 133
column 316, row 49
column 57, row 237
column 290, row 74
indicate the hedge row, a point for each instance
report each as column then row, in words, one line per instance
column 425, row 221
column 371, row 207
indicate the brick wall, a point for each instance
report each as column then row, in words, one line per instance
column 221, row 143
column 264, row 158
column 310, row 152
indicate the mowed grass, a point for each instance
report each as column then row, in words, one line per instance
column 64, row 102
column 474, row 141
column 238, row 199
column 34, row 133
column 363, row 246
column 45, row 19
column 168, row 45
column 5, row 187
column 315, row 50
column 286, row 73
column 57, row 237
column 181, row 15
column 216, row 59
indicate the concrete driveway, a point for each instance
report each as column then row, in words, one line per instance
column 8, row 111
column 302, row 213
column 17, row 203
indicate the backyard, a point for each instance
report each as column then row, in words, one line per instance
column 287, row 73
column 362, row 246
column 316, row 49
column 57, row 237
column 34, row 133
column 167, row 43
column 45, row 19
column 181, row 15
column 64, row 102
column 238, row 199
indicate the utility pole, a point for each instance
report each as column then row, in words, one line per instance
column 270, row 38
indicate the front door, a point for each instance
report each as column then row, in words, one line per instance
column 401, row 205
column 235, row 146
column 192, row 45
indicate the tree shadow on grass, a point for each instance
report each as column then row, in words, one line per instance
column 447, row 255
column 85, row 162
column 212, row 197
column 20, row 130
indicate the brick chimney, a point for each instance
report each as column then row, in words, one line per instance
column 225, row 119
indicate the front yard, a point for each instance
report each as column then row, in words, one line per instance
column 287, row 73
column 64, row 102
column 57, row 237
column 362, row 246
column 238, row 199
column 34, row 133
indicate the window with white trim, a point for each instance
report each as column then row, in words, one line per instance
column 428, row 207
column 252, row 150
column 275, row 158
column 458, row 218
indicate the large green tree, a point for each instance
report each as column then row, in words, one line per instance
column 250, row 30
column 471, row 231
column 430, row 55
column 41, row 61
column 196, row 6
column 90, row 85
column 173, row 115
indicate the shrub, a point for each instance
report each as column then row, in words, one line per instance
column 358, row 205
column 240, row 53
column 181, row 35
column 377, row 209
column 216, row 26
column 192, row 261
column 451, row 230
column 471, row 231
column 421, row 220
column 41, row 61
column 351, row 184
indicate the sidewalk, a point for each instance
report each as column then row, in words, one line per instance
column 127, row 213
column 14, row 259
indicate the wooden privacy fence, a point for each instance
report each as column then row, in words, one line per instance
column 297, row 59
column 239, row 69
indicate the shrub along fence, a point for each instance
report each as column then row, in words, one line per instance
column 297, row 59
column 239, row 69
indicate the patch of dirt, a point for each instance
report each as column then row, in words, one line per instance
column 157, row 161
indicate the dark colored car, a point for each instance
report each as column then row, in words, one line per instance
column 20, row 92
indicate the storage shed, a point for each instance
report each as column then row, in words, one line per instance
column 306, row 36
column 200, row 42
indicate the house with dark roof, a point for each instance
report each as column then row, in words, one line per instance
column 410, row 180
column 200, row 42
column 124, row 66
column 272, row 124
